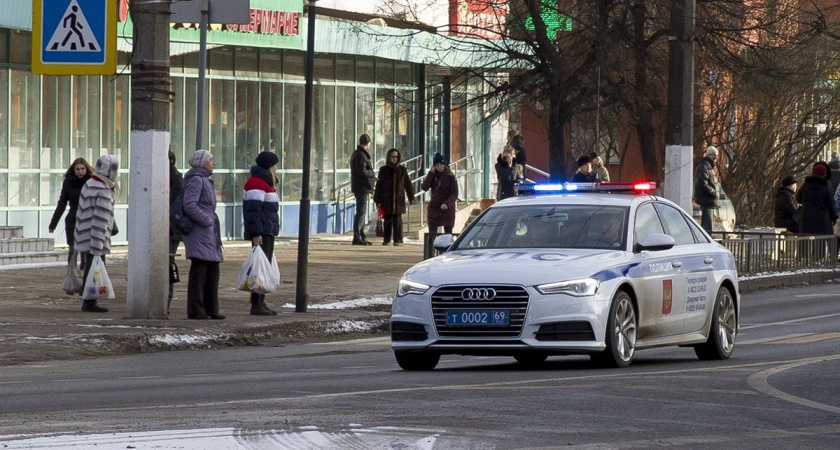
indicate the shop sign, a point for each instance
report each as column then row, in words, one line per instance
column 477, row 18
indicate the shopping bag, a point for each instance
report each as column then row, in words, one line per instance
column 380, row 222
column 98, row 283
column 258, row 275
column 73, row 279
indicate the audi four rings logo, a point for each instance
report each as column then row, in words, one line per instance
column 478, row 294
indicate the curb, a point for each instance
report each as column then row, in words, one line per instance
column 776, row 281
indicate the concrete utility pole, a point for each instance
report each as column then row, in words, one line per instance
column 680, row 130
column 148, row 213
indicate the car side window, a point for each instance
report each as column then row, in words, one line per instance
column 647, row 222
column 676, row 224
column 699, row 237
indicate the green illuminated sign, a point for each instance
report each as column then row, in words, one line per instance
column 554, row 21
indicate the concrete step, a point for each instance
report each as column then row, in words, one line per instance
column 8, row 232
column 31, row 257
column 23, row 245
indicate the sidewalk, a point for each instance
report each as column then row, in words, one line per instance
column 349, row 291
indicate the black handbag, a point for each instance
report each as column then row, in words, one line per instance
column 380, row 227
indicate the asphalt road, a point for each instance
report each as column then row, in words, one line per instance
column 779, row 391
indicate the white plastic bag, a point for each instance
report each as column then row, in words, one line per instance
column 73, row 279
column 258, row 275
column 98, row 283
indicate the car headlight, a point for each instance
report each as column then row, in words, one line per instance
column 578, row 288
column 407, row 287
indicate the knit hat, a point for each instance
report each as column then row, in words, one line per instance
column 819, row 170
column 583, row 160
column 788, row 181
column 200, row 158
column 834, row 164
column 107, row 166
column 593, row 155
column 267, row 159
column 711, row 150
column 439, row 159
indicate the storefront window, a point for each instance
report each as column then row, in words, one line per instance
column 24, row 118
column 365, row 116
column 223, row 182
column 115, row 126
column 324, row 68
column 323, row 143
column 293, row 126
column 23, row 189
column 345, row 126
column 55, row 150
column 247, row 114
column 190, row 108
column 51, row 187
column 405, row 123
column 121, row 191
column 404, row 72
column 384, row 71
column 385, row 119
column 364, row 70
column 176, row 115
column 222, row 128
column 271, row 118
column 4, row 118
column 246, row 62
column 220, row 61
column 19, row 48
column 345, row 68
column 87, row 101
column 271, row 65
column 293, row 65
column 3, row 189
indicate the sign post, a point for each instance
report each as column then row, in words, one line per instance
column 74, row 37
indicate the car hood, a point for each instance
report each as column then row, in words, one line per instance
column 527, row 267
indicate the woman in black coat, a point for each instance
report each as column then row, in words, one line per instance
column 818, row 213
column 392, row 186
column 74, row 179
column 506, row 172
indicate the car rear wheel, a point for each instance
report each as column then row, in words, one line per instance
column 621, row 333
column 530, row 359
column 722, row 331
column 417, row 360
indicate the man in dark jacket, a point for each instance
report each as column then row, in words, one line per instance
column 362, row 179
column 506, row 173
column 786, row 205
column 706, row 187
column 818, row 214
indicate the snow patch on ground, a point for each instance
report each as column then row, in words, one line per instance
column 348, row 304
column 180, row 339
column 348, row 326
column 33, row 265
column 758, row 276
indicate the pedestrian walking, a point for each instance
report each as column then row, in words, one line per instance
column 362, row 179
column 392, row 186
column 706, row 187
column 602, row 174
column 203, row 244
column 506, row 172
column 444, row 186
column 786, row 206
column 834, row 170
column 584, row 172
column 176, row 188
column 818, row 213
column 74, row 180
column 95, row 219
column 260, row 212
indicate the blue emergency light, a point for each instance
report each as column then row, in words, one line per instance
column 643, row 187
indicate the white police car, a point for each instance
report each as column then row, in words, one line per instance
column 580, row 270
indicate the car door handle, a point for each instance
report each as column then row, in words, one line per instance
column 676, row 264
column 708, row 260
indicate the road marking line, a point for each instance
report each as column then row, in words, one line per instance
column 816, row 295
column 771, row 339
column 808, row 339
column 759, row 382
column 787, row 322
column 369, row 341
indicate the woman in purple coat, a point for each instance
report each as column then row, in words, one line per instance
column 444, row 186
column 203, row 244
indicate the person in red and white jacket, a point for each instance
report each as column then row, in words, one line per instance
column 260, row 214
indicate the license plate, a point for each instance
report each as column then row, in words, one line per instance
column 480, row 317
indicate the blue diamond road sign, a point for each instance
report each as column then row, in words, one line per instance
column 74, row 37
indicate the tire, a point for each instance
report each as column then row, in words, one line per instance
column 721, row 341
column 620, row 335
column 530, row 359
column 417, row 361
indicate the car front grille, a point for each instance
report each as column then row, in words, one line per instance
column 513, row 299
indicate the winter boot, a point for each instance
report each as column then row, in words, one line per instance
column 91, row 306
column 265, row 307
column 260, row 310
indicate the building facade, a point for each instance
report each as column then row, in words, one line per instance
column 366, row 81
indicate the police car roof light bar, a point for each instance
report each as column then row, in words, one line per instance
column 644, row 187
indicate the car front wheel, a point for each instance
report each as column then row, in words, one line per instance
column 417, row 360
column 722, row 331
column 621, row 333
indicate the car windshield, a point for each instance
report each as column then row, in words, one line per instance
column 560, row 226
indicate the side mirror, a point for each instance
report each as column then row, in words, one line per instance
column 655, row 242
column 443, row 242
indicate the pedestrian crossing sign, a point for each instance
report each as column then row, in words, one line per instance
column 74, row 37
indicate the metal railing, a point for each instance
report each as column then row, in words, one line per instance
column 758, row 251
